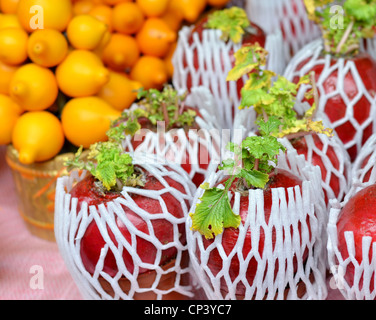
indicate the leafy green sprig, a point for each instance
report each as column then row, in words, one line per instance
column 233, row 23
column 166, row 105
column 273, row 95
column 342, row 33
column 107, row 162
column 253, row 160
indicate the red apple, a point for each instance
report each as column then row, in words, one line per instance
column 254, row 35
column 202, row 159
column 278, row 179
column 358, row 217
column 302, row 147
column 92, row 242
column 206, row 63
column 336, row 108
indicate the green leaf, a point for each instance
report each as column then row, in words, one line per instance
column 105, row 173
column 262, row 147
column 247, row 60
column 360, row 9
column 232, row 22
column 255, row 98
column 269, row 127
column 358, row 18
column 214, row 213
column 254, row 178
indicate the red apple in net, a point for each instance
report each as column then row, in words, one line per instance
column 358, row 216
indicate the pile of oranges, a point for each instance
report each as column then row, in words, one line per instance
column 70, row 67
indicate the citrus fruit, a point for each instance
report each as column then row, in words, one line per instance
column 120, row 91
column 150, row 71
column 37, row 136
column 81, row 74
column 103, row 13
column 47, row 47
column 49, row 14
column 153, row 8
column 217, row 3
column 86, row 32
column 82, row 7
column 173, row 16
column 33, row 87
column 86, row 120
column 9, row 21
column 121, row 52
column 191, row 9
column 127, row 18
column 168, row 59
column 6, row 74
column 13, row 46
column 9, row 113
column 8, row 6
column 155, row 37
column 115, row 2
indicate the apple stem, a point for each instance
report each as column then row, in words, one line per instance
column 165, row 114
column 315, row 93
column 265, row 115
column 326, row 44
column 257, row 163
column 179, row 111
column 345, row 37
column 351, row 48
column 297, row 135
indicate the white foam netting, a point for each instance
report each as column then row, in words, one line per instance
column 214, row 63
column 364, row 167
column 71, row 225
column 311, row 54
column 335, row 160
column 289, row 224
column 363, row 279
column 200, row 147
column 289, row 16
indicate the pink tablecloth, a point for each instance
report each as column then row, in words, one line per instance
column 32, row 268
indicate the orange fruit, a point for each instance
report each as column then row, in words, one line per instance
column 81, row 74
column 127, row 18
column 217, row 3
column 153, row 8
column 86, row 120
column 115, row 2
column 150, row 71
column 6, row 74
column 9, row 20
column 47, row 47
column 173, row 16
column 155, row 37
column 8, row 6
column 168, row 59
column 103, row 13
column 37, row 136
column 86, row 32
column 9, row 114
column 121, row 53
column 13, row 46
column 55, row 14
column 33, row 87
column 120, row 91
column 191, row 9
column 82, row 7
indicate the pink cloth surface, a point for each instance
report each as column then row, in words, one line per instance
column 24, row 256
